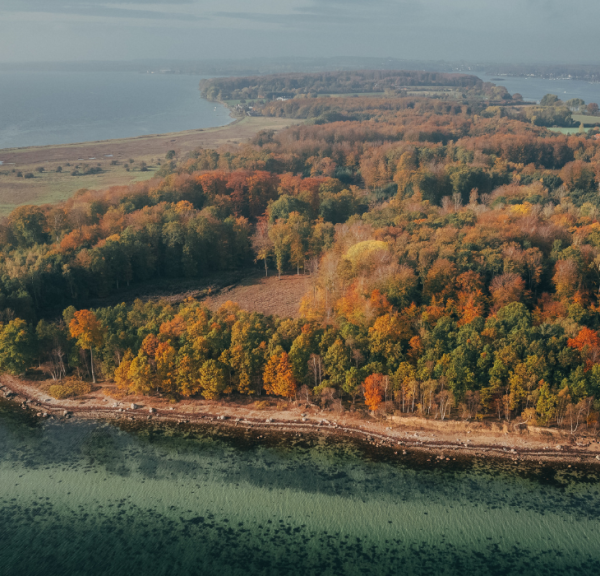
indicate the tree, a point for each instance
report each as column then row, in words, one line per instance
column 88, row 332
column 278, row 377
column 549, row 100
column 279, row 234
column 546, row 404
column 17, row 347
column 337, row 363
column 506, row 288
column 352, row 384
column 373, row 390
column 588, row 343
column 213, row 379
column 28, row 225
column 262, row 243
column 122, row 379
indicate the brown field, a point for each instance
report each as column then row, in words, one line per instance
column 266, row 295
column 247, row 287
column 51, row 186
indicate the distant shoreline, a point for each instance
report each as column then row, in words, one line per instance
column 433, row 438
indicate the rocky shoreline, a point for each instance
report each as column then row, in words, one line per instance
column 437, row 439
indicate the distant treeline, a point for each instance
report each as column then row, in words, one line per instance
column 363, row 81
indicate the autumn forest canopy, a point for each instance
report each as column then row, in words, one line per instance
column 451, row 244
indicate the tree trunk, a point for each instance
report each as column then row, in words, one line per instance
column 92, row 364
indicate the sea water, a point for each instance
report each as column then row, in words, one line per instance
column 534, row 89
column 43, row 108
column 84, row 497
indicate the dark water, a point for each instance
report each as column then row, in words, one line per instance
column 40, row 108
column 92, row 498
column 534, row 89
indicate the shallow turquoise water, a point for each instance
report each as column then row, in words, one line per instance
column 93, row 498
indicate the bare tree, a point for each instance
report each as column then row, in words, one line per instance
column 315, row 366
column 305, row 394
column 445, row 400
column 328, row 396
column 261, row 243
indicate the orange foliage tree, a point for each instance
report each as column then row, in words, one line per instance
column 278, row 377
column 88, row 332
column 373, row 390
column 588, row 343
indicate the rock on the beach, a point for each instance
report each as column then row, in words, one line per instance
column 134, row 406
column 558, row 447
column 152, row 410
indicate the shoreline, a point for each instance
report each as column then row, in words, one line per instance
column 42, row 147
column 439, row 440
column 50, row 186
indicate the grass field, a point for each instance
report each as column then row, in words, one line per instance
column 587, row 120
column 50, row 186
column 560, row 130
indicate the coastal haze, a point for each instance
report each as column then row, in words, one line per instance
column 518, row 31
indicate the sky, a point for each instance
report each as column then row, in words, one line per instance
column 473, row 30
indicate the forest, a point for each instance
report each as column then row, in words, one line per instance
column 452, row 252
column 360, row 81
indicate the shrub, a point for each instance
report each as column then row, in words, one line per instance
column 28, row 175
column 69, row 389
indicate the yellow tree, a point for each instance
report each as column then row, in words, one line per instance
column 166, row 367
column 213, row 379
column 122, row 372
column 88, row 332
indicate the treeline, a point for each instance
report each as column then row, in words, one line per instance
column 185, row 226
column 365, row 81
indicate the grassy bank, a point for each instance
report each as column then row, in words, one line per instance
column 112, row 156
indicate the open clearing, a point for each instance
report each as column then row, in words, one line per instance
column 587, row 120
column 265, row 295
column 50, row 186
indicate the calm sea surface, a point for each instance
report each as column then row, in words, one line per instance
column 40, row 108
column 534, row 89
column 91, row 498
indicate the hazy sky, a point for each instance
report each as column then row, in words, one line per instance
column 501, row 30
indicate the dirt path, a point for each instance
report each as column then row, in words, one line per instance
column 436, row 439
